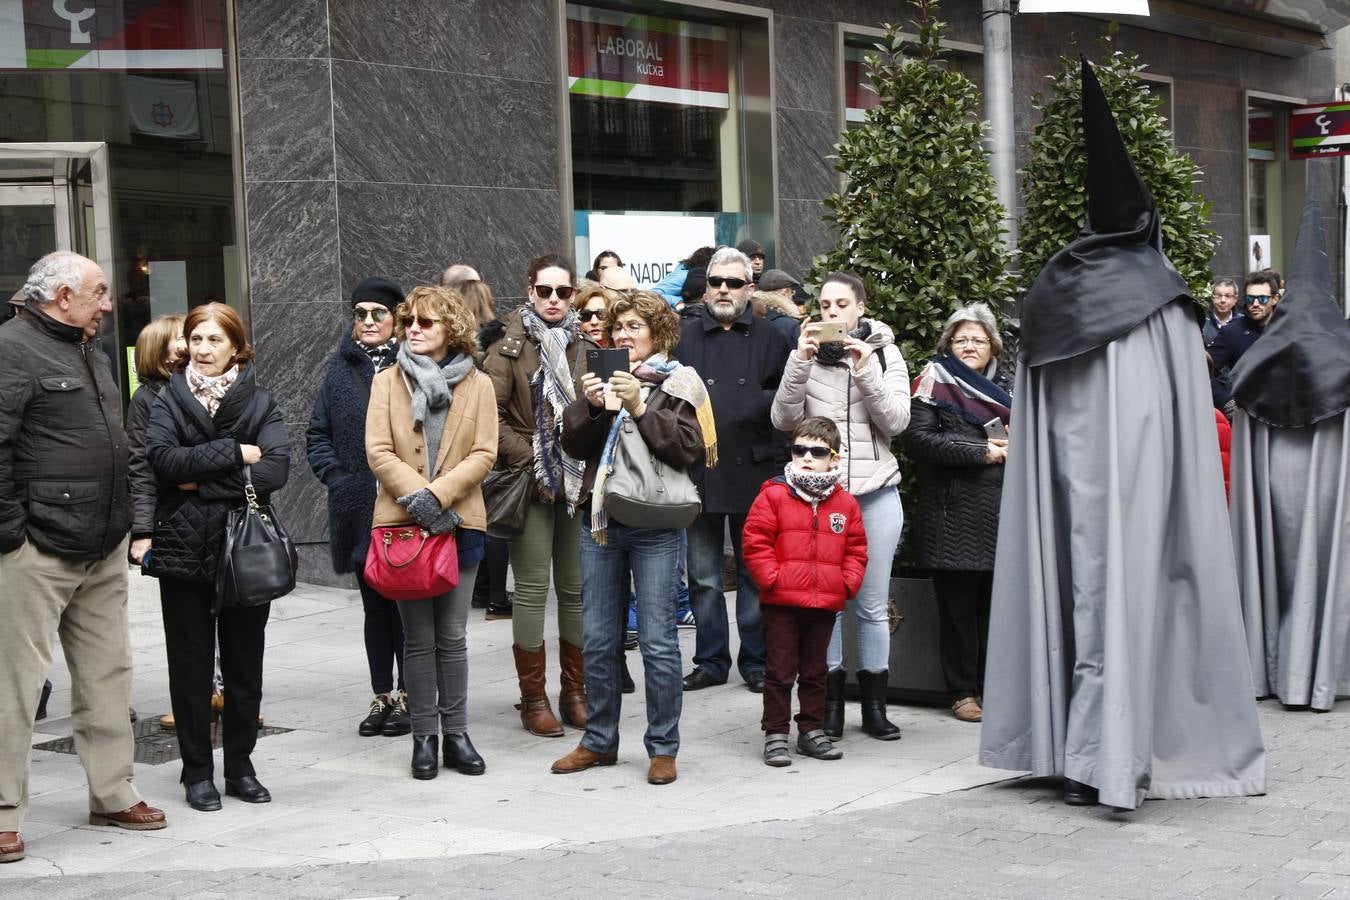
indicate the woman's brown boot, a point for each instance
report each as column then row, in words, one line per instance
column 572, row 700
column 535, row 712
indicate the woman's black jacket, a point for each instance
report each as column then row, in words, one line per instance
column 185, row 445
column 144, row 488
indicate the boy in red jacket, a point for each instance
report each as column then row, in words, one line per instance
column 805, row 547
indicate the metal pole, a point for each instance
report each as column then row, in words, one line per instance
column 998, row 106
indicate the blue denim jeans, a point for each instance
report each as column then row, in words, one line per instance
column 883, row 518
column 647, row 556
column 712, row 644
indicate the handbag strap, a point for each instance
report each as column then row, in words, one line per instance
column 250, row 495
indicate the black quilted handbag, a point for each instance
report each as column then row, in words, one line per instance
column 258, row 561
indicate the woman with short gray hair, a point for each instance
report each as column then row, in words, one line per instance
column 958, row 436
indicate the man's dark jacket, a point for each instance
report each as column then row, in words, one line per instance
column 741, row 368
column 1226, row 349
column 63, row 453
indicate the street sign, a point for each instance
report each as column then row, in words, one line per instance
column 1319, row 131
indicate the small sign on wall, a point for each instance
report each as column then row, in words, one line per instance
column 650, row 246
column 1258, row 252
column 1319, row 131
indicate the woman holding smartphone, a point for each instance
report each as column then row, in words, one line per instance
column 847, row 368
column 959, row 438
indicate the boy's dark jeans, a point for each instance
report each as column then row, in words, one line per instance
column 795, row 642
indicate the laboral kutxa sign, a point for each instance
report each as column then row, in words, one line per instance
column 96, row 34
column 633, row 57
column 1319, row 131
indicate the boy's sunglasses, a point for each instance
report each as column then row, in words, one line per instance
column 587, row 314
column 423, row 323
column 800, row 450
column 544, row 291
column 359, row 315
column 735, row 284
column 1262, row 299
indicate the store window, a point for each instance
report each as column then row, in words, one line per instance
column 115, row 120
column 669, row 118
column 1275, row 184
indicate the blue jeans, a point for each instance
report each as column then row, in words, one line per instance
column 650, row 557
column 883, row 517
column 712, row 643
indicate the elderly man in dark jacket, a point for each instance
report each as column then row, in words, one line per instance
column 64, row 518
column 740, row 357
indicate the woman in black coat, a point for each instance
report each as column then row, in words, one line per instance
column 958, row 436
column 336, row 445
column 210, row 422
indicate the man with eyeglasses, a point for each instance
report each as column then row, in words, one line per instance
column 741, row 358
column 1261, row 294
column 1224, row 309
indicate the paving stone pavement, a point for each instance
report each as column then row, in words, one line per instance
column 948, row 838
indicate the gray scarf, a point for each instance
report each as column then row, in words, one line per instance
column 433, row 387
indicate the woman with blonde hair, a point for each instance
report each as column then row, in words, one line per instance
column 159, row 347
column 431, row 439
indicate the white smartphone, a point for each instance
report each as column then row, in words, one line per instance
column 995, row 428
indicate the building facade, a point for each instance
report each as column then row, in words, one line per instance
column 271, row 153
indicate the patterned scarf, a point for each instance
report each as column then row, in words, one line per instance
column 211, row 389
column 657, row 373
column 382, row 356
column 948, row 383
column 555, row 473
column 813, row 487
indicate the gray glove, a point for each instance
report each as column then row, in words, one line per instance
column 426, row 511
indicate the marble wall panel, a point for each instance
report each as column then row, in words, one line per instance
column 1231, row 257
column 411, row 232
column 303, row 504
column 293, row 342
column 804, row 64
column 1207, row 115
column 423, row 127
column 292, row 241
column 805, row 141
column 316, row 567
column 281, row 29
column 802, row 234
column 511, row 39
column 287, row 120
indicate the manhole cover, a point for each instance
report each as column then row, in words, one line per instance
column 154, row 744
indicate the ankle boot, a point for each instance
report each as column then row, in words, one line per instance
column 426, row 761
column 627, row 685
column 572, row 699
column 834, row 704
column 535, row 712
column 874, row 721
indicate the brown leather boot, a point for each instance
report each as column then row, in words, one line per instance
column 582, row 759
column 535, row 712
column 572, row 700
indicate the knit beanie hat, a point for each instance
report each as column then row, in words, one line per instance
column 378, row 290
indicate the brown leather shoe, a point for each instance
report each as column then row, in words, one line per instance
column 11, row 847
column 535, row 712
column 967, row 709
column 141, row 817
column 572, row 700
column 581, row 759
column 662, row 770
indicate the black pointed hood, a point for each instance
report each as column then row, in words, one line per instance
column 1298, row 372
column 1114, row 275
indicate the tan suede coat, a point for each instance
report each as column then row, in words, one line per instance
column 397, row 451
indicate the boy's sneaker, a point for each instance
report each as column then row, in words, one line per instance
column 816, row 745
column 684, row 617
column 776, row 750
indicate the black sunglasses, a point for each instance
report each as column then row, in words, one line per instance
column 544, row 291
column 1262, row 299
column 422, row 322
column 587, row 314
column 360, row 315
column 716, row 281
column 800, row 450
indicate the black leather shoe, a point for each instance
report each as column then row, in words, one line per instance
column 626, row 680
column 698, row 679
column 754, row 682
column 42, row 701
column 247, row 788
column 399, row 722
column 1078, row 794
column 425, row 765
column 373, row 723
column 203, row 796
column 460, row 755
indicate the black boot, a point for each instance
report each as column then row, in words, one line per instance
column 834, row 704
column 42, row 702
column 874, row 722
column 1078, row 794
column 426, row 749
column 461, row 756
column 625, row 679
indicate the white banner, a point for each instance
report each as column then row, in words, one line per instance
column 650, row 246
column 163, row 106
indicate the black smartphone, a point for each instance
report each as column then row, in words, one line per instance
column 606, row 361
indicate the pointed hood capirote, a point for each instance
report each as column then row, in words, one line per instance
column 1114, row 275
column 1298, row 373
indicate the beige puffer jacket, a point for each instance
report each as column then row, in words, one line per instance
column 870, row 407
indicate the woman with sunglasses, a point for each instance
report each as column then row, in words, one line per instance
column 431, row 439
column 535, row 368
column 591, row 304
column 958, row 436
column 336, row 445
column 862, row 385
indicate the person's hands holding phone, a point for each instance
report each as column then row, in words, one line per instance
column 861, row 351
column 807, row 345
column 594, row 389
column 628, row 389
column 997, row 452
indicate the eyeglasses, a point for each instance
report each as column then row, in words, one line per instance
column 544, row 291
column 587, row 314
column 422, row 323
column 716, row 281
column 1262, row 299
column 377, row 315
column 970, row 342
column 1225, row 295
column 800, row 450
column 633, row 328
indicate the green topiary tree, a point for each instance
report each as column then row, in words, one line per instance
column 1052, row 183
column 918, row 220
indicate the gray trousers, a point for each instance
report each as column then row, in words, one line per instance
column 86, row 604
column 436, row 658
